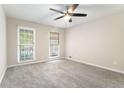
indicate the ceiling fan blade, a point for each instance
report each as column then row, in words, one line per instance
column 72, row 7
column 59, row 17
column 57, row 11
column 77, row 14
column 70, row 20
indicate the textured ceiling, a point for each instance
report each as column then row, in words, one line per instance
column 40, row 13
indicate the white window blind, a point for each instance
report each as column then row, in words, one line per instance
column 26, row 44
column 54, row 44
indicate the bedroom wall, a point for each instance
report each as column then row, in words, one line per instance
column 99, row 42
column 2, row 43
column 42, row 40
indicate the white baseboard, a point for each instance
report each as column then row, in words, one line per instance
column 103, row 67
column 2, row 74
column 33, row 62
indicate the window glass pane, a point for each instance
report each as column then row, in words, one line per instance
column 54, row 44
column 26, row 37
column 26, row 44
column 26, row 52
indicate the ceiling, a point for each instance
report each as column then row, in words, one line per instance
column 40, row 13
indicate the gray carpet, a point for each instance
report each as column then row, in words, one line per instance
column 61, row 74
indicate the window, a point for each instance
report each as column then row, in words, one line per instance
column 26, row 44
column 54, row 44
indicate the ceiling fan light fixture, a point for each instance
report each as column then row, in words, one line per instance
column 70, row 11
column 67, row 17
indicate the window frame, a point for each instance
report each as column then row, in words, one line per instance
column 58, row 47
column 18, row 43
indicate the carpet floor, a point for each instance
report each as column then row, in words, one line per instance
column 61, row 74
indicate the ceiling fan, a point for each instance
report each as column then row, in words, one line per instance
column 69, row 13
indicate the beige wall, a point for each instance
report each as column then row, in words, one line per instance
column 2, row 42
column 42, row 39
column 99, row 42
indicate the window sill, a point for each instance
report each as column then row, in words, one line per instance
column 54, row 57
column 26, row 61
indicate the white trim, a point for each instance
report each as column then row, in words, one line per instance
column 34, row 62
column 18, row 43
column 2, row 74
column 18, row 36
column 103, row 67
